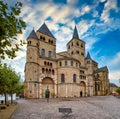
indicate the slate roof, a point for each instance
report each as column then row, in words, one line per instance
column 33, row 35
column 75, row 34
column 44, row 29
column 88, row 56
column 113, row 85
column 101, row 69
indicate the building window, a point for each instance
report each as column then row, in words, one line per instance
column 40, row 37
column 88, row 62
column 77, row 44
column 43, row 70
column 69, row 47
column 37, row 45
column 51, row 64
column 53, row 72
column 72, row 44
column 44, row 62
column 43, row 52
column 71, row 63
column 49, row 53
column 74, row 78
column 62, row 78
column 81, row 45
column 72, row 53
column 76, row 64
column 44, row 38
column 34, row 85
column 77, row 52
column 60, row 64
column 82, row 53
column 29, row 42
column 65, row 63
column 46, row 71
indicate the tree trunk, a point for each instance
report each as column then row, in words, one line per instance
column 5, row 98
column 11, row 98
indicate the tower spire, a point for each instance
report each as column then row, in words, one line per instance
column 88, row 56
column 75, row 34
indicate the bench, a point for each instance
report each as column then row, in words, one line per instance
column 65, row 111
column 2, row 107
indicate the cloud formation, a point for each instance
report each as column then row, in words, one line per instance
column 92, row 19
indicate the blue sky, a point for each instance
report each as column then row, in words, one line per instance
column 97, row 21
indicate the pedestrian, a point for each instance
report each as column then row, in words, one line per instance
column 47, row 94
column 80, row 93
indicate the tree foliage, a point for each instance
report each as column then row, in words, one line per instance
column 118, row 90
column 9, row 81
column 10, row 26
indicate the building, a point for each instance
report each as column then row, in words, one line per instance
column 113, row 88
column 65, row 74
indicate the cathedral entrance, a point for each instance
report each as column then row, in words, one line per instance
column 47, row 82
column 82, row 89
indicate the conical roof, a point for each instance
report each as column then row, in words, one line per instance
column 75, row 34
column 44, row 29
column 88, row 56
column 33, row 35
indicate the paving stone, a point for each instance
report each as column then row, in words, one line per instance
column 100, row 107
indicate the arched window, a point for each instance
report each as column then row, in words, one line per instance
column 81, row 45
column 46, row 70
column 51, row 64
column 44, row 62
column 71, row 63
column 43, row 70
column 62, row 78
column 49, row 53
column 76, row 64
column 60, row 64
column 77, row 52
column 65, row 63
column 77, row 44
column 74, row 78
column 43, row 52
column 69, row 47
column 72, row 44
column 53, row 72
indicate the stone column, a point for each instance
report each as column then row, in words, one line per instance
column 40, row 89
column 66, row 91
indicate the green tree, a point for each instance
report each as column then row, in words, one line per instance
column 118, row 90
column 9, row 81
column 11, row 24
column 3, row 80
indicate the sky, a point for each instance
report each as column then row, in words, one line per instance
column 97, row 22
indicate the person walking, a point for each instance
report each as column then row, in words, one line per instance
column 47, row 94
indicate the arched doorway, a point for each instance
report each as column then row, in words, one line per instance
column 82, row 89
column 47, row 82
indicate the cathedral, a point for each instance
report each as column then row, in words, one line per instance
column 65, row 74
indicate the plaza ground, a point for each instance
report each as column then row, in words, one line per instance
column 99, row 107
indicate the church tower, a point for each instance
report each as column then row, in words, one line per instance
column 47, row 42
column 76, row 47
column 31, row 66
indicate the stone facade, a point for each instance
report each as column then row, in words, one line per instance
column 65, row 74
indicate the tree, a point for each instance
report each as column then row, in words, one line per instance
column 118, row 90
column 10, row 26
column 9, row 81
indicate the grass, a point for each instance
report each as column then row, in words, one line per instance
column 6, row 113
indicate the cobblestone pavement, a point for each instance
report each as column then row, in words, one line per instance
column 99, row 107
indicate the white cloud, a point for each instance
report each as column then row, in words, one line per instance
column 114, row 68
column 90, row 42
column 84, row 25
column 109, row 5
column 72, row 1
column 85, row 9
